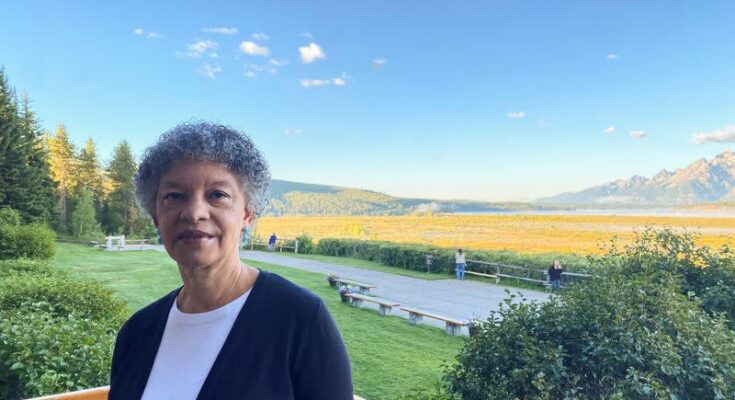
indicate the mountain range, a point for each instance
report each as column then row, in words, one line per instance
column 700, row 182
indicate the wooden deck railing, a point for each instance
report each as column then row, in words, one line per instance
column 99, row 393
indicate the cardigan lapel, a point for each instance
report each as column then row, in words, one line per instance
column 222, row 364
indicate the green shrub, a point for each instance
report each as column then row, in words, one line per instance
column 66, row 295
column 9, row 216
column 413, row 256
column 27, row 241
column 40, row 267
column 306, row 243
column 43, row 353
column 629, row 333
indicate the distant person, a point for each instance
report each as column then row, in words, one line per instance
column 555, row 272
column 272, row 242
column 461, row 264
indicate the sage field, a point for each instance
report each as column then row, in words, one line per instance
column 581, row 234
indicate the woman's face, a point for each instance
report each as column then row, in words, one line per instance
column 200, row 212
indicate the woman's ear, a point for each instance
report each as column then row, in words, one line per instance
column 249, row 215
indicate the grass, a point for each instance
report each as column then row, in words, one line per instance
column 578, row 234
column 373, row 266
column 389, row 357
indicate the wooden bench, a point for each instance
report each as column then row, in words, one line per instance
column 385, row 305
column 453, row 326
column 364, row 287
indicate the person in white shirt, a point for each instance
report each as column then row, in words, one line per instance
column 461, row 264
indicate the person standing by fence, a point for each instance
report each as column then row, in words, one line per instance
column 461, row 264
column 555, row 272
column 272, row 242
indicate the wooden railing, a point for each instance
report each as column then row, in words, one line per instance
column 525, row 274
column 99, row 393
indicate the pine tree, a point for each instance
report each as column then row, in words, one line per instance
column 62, row 165
column 121, row 213
column 89, row 175
column 83, row 223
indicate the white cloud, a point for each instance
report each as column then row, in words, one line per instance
column 637, row 134
column 293, row 131
column 201, row 47
column 307, row 35
column 610, row 129
column 210, row 71
column 612, row 56
column 724, row 135
column 311, row 53
column 307, row 83
column 138, row 31
column 154, row 35
column 252, row 48
column 260, row 36
column 222, row 31
column 338, row 81
column 516, row 115
column 278, row 63
column 250, row 74
column 379, row 62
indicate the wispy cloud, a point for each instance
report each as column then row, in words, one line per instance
column 637, row 134
column 253, row 49
column 148, row 34
column 311, row 53
column 379, row 62
column 200, row 48
column 222, row 31
column 610, row 129
column 307, row 35
column 254, row 70
column 250, row 74
column 294, row 132
column 210, row 71
column 278, row 63
column 516, row 115
column 338, row 81
column 612, row 56
column 723, row 135
column 260, row 36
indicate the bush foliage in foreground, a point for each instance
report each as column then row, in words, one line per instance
column 56, row 332
column 648, row 327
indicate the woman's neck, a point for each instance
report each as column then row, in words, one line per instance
column 210, row 287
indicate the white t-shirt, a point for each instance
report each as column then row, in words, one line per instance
column 459, row 258
column 190, row 344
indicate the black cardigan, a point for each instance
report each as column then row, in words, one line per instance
column 283, row 345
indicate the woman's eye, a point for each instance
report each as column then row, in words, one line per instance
column 172, row 196
column 219, row 195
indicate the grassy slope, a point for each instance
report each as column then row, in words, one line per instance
column 388, row 356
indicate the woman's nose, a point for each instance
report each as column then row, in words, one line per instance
column 196, row 209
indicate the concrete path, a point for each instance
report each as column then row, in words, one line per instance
column 461, row 300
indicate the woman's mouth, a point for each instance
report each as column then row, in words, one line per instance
column 194, row 235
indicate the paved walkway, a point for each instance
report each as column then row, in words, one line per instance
column 462, row 300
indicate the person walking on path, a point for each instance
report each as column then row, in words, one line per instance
column 555, row 272
column 272, row 242
column 461, row 264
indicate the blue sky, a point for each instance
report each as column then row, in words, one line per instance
column 486, row 100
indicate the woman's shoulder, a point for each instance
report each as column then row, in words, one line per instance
column 283, row 298
column 152, row 313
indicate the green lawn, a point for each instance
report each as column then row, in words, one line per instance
column 389, row 356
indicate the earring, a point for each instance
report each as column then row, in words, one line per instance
column 158, row 233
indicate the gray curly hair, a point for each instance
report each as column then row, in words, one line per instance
column 204, row 141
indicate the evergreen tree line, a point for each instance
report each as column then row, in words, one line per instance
column 46, row 179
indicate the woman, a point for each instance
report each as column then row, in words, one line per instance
column 555, row 272
column 461, row 264
column 231, row 331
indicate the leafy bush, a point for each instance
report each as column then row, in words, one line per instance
column 413, row 256
column 306, row 243
column 630, row 333
column 9, row 216
column 56, row 332
column 40, row 267
column 43, row 353
column 27, row 241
